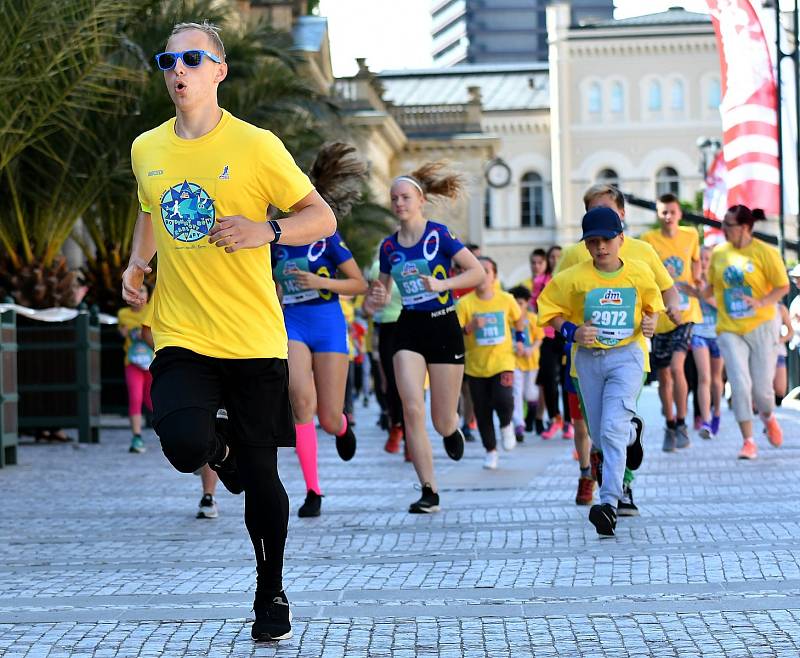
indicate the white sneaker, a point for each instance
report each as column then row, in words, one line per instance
column 509, row 438
column 491, row 460
column 207, row 509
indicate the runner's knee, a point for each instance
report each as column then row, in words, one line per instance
column 186, row 438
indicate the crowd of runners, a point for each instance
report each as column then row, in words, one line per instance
column 249, row 358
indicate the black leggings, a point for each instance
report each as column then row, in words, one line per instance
column 551, row 353
column 386, row 339
column 492, row 395
column 266, row 505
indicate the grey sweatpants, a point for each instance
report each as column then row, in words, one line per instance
column 750, row 363
column 610, row 382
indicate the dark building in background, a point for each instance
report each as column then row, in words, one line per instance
column 495, row 31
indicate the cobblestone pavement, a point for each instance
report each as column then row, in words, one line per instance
column 101, row 556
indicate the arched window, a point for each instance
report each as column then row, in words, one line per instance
column 595, row 99
column 617, row 103
column 676, row 97
column 532, row 200
column 668, row 181
column 654, row 97
column 487, row 208
column 714, row 94
column 608, row 177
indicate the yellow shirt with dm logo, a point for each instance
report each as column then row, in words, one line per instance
column 490, row 349
column 208, row 301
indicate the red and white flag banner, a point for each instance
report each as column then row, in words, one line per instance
column 715, row 199
column 748, row 108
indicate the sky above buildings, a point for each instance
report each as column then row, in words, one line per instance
column 395, row 35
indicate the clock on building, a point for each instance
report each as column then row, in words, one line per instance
column 497, row 173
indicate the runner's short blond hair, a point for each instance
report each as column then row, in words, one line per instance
column 209, row 29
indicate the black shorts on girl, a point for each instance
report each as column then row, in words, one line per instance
column 436, row 335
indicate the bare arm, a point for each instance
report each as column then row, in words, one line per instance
column 142, row 251
column 770, row 299
column 470, row 276
column 671, row 303
column 312, row 220
column 585, row 334
column 352, row 283
column 380, row 292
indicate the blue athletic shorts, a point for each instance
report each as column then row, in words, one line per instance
column 701, row 342
column 321, row 327
column 781, row 360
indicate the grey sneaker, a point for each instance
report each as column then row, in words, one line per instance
column 683, row 437
column 670, row 440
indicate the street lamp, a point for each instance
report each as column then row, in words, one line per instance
column 708, row 147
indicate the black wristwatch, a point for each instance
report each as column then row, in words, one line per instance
column 276, row 229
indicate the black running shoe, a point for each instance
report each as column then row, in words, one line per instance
column 312, row 506
column 540, row 428
column 604, row 519
column 454, row 445
column 635, row 454
column 346, row 444
column 273, row 618
column 626, row 507
column 226, row 469
column 427, row 504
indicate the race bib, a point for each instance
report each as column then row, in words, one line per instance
column 612, row 311
column 493, row 332
column 735, row 305
column 683, row 300
column 140, row 354
column 286, row 272
column 408, row 277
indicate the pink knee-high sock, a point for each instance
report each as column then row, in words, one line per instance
column 307, row 454
column 344, row 425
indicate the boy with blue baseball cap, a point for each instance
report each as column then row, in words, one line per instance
column 599, row 306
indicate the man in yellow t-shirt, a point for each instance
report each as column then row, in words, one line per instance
column 678, row 247
column 206, row 180
column 492, row 324
column 599, row 307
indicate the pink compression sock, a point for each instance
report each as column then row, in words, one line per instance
column 307, row 454
column 344, row 425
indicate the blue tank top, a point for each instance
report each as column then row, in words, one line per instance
column 322, row 258
column 431, row 256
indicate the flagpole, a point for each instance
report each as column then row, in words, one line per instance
column 779, row 111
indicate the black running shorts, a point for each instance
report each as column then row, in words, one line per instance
column 436, row 335
column 664, row 345
column 254, row 391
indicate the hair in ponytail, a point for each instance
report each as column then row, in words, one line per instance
column 744, row 216
column 433, row 179
column 338, row 174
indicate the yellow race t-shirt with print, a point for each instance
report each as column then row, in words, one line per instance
column 614, row 302
column 677, row 255
column 132, row 319
column 632, row 249
column 753, row 272
column 208, row 301
column 490, row 349
column 533, row 333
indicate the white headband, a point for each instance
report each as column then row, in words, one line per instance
column 412, row 181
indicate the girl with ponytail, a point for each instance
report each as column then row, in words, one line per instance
column 311, row 278
column 429, row 340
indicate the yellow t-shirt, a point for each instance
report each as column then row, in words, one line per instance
column 349, row 312
column 614, row 302
column 533, row 333
column 208, row 301
column 753, row 271
column 677, row 254
column 130, row 319
column 632, row 249
column 490, row 349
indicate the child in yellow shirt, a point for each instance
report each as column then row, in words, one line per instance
column 525, row 389
column 599, row 305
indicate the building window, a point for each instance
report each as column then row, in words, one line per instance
column 654, row 97
column 668, row 182
column 487, row 208
column 714, row 94
column 608, row 177
column 532, row 200
column 676, row 100
column 617, row 103
column 595, row 103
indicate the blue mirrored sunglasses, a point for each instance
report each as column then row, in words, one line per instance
column 191, row 58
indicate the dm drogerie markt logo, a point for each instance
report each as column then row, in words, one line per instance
column 187, row 211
